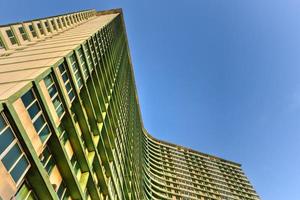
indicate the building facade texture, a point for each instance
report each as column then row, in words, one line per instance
column 70, row 121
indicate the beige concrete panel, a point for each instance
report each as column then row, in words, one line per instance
column 17, row 76
column 9, row 89
column 27, row 124
column 36, row 51
column 25, row 65
column 69, row 149
column 55, row 177
column 7, row 185
column 32, row 57
column 49, row 103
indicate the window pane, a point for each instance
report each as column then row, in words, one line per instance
column 68, row 86
column 23, row 33
column 2, row 123
column 56, row 102
column 39, row 123
column 44, row 133
column 9, row 33
column 33, row 110
column 65, row 77
column 71, row 95
column 27, row 98
column 60, row 110
column 32, row 31
column 48, row 81
column 60, row 190
column 19, row 169
column 61, row 68
column 66, row 196
column 64, row 137
column 52, row 91
column 6, row 138
column 11, row 157
column 22, row 193
column 45, row 156
column 50, row 165
column 1, row 44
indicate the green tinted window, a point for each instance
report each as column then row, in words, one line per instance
column 11, row 37
column 23, row 33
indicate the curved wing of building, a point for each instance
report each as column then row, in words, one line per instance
column 70, row 121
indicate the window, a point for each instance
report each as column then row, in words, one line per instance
column 67, row 19
column 1, row 44
column 70, row 19
column 40, row 28
column 89, row 59
column 62, row 191
column 75, row 68
column 93, row 51
column 25, row 193
column 83, row 64
column 53, row 25
column 58, row 23
column 47, row 26
column 63, row 135
column 64, row 22
column 36, row 114
column 11, row 37
column 11, row 154
column 23, row 33
column 32, row 30
column 67, row 82
column 54, row 95
column 47, row 160
column 75, row 164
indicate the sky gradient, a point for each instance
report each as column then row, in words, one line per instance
column 221, row 77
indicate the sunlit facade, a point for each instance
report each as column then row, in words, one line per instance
column 71, row 127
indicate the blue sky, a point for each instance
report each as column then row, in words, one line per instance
column 222, row 77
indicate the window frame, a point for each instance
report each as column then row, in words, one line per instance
column 23, row 33
column 64, row 71
column 15, row 142
column 13, row 39
column 38, row 114
column 32, row 30
column 56, row 95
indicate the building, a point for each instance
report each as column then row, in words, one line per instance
column 70, row 124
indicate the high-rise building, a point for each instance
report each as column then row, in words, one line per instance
column 70, row 122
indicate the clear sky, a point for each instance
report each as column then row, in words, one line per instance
column 219, row 76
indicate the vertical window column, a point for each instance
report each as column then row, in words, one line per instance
column 54, row 95
column 76, row 71
column 83, row 64
column 36, row 114
column 11, row 154
column 66, row 79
